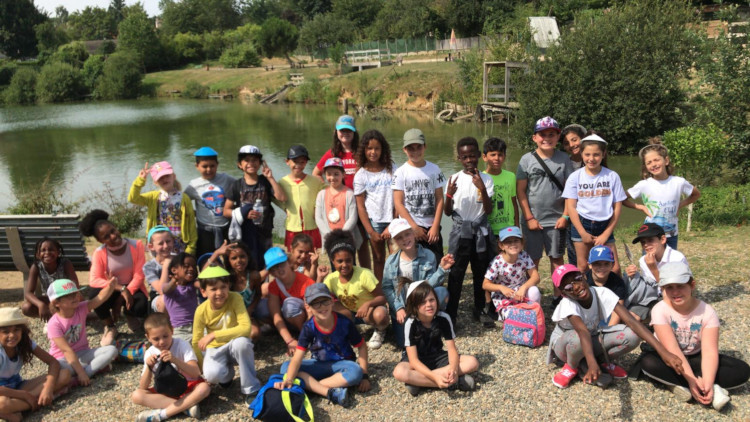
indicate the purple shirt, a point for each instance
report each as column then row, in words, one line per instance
column 181, row 304
column 72, row 329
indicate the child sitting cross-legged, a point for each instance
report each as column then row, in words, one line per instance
column 167, row 401
column 329, row 336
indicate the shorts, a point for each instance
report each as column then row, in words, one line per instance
column 549, row 240
column 432, row 362
column 190, row 387
column 314, row 233
column 594, row 228
column 378, row 227
column 14, row 383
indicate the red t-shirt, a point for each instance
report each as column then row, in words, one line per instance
column 350, row 166
column 301, row 282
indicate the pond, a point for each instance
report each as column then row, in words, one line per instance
column 83, row 147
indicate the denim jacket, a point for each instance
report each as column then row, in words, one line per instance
column 424, row 266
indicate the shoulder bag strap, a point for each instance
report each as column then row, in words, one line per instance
column 551, row 176
column 281, row 287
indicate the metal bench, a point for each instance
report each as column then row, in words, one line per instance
column 20, row 233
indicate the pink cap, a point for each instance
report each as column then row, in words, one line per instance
column 561, row 271
column 162, row 168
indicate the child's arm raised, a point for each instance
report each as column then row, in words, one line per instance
column 53, row 371
column 159, row 284
column 278, row 192
column 169, row 286
column 364, row 385
column 135, row 196
column 104, row 294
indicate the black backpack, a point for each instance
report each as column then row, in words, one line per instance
column 168, row 380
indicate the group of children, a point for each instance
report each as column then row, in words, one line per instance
column 212, row 253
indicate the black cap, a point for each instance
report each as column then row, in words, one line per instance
column 296, row 151
column 648, row 230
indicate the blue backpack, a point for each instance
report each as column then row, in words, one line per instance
column 288, row 405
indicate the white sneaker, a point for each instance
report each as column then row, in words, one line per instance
column 721, row 397
column 681, row 393
column 376, row 340
column 194, row 412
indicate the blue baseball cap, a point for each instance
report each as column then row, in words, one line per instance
column 511, row 231
column 156, row 229
column 601, row 253
column 345, row 122
column 274, row 257
column 546, row 123
column 206, row 152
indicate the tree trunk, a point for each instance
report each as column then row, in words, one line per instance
column 690, row 218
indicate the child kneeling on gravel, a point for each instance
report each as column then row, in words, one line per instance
column 168, row 349
column 582, row 339
column 425, row 363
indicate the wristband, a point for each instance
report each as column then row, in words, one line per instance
column 530, row 218
column 449, row 195
column 365, row 376
column 289, row 342
column 567, row 217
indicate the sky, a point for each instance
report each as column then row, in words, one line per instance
column 151, row 6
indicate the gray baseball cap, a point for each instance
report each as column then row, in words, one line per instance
column 315, row 291
column 413, row 136
column 674, row 273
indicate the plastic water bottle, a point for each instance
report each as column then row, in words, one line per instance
column 258, row 207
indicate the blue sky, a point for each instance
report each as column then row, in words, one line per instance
column 151, row 6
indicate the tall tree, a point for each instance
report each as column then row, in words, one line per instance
column 91, row 23
column 17, row 21
column 277, row 38
column 137, row 34
column 198, row 16
column 324, row 31
column 115, row 13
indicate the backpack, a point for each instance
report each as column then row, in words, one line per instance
column 169, row 381
column 288, row 405
column 131, row 351
column 524, row 325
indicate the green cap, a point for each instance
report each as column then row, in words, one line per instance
column 213, row 272
column 413, row 136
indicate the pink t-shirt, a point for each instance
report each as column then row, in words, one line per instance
column 72, row 329
column 688, row 328
column 350, row 166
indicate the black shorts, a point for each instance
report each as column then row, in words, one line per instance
column 432, row 362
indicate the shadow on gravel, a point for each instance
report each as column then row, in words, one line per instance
column 624, row 391
column 720, row 293
column 485, row 361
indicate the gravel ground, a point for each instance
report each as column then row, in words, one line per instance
column 513, row 381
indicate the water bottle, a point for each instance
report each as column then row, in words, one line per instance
column 258, row 207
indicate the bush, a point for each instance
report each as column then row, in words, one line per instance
column 697, row 152
column 121, row 77
column 728, row 205
column 45, row 198
column 74, row 54
column 106, row 48
column 59, row 82
column 241, row 55
column 128, row 218
column 7, row 69
column 195, row 90
column 22, row 89
column 188, row 46
column 92, row 70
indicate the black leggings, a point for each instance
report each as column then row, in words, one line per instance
column 732, row 372
column 104, row 311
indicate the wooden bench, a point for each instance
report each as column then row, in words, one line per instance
column 20, row 233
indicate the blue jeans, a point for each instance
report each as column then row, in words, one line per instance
column 379, row 227
column 672, row 242
column 594, row 228
column 398, row 329
column 350, row 370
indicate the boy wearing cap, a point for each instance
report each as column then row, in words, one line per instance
column 226, row 324
column 244, row 193
column 601, row 262
column 209, row 193
column 540, row 180
column 301, row 192
column 418, row 193
column 330, row 337
column 285, row 296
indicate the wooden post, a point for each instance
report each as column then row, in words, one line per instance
column 346, row 106
column 507, row 84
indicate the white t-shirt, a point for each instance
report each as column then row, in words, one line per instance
column 418, row 185
column 180, row 349
column 687, row 329
column 670, row 255
column 8, row 367
column 467, row 201
column 379, row 195
column 590, row 317
column 596, row 195
column 405, row 268
column 662, row 198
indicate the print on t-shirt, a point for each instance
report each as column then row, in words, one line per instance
column 213, row 199
column 688, row 338
column 594, row 190
column 73, row 334
column 420, row 200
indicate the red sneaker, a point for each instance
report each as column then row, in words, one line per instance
column 616, row 371
column 562, row 379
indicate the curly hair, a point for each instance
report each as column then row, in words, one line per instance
column 655, row 145
column 385, row 150
column 92, row 221
column 337, row 240
column 179, row 261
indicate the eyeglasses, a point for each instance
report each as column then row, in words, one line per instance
column 577, row 279
column 320, row 304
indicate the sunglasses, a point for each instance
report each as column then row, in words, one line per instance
column 577, row 279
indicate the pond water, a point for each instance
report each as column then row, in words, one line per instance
column 82, row 147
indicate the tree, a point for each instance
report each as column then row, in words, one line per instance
column 619, row 72
column 49, row 37
column 92, row 70
column 309, row 8
column 73, row 53
column 277, row 38
column 121, row 77
column 242, row 34
column 115, row 11
column 22, row 89
column 324, row 31
column 358, row 13
column 59, row 82
column 241, row 55
column 198, row 16
column 258, row 11
column 138, row 35
column 91, row 23
column 17, row 21
column 406, row 19
column 189, row 47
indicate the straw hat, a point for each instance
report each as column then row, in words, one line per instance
column 12, row 316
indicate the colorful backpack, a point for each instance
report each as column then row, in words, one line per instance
column 524, row 325
column 131, row 351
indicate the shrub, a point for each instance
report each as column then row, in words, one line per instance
column 106, row 48
column 74, row 54
column 22, row 89
column 45, row 198
column 195, row 90
column 697, row 152
column 59, row 82
column 188, row 46
column 92, row 70
column 121, row 77
column 128, row 218
column 728, row 204
column 7, row 69
column 241, row 55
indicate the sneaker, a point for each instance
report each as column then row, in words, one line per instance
column 721, row 397
column 466, row 383
column 194, row 412
column 616, row 371
column 486, row 320
column 227, row 384
column 681, row 393
column 476, row 315
column 604, row 378
column 376, row 340
column 562, row 379
column 414, row 390
column 492, row 312
column 109, row 336
column 338, row 395
column 148, row 416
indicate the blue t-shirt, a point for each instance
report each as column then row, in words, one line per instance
column 331, row 345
